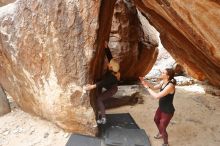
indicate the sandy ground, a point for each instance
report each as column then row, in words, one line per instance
column 195, row 123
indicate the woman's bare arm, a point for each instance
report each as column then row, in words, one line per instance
column 158, row 86
column 146, row 83
column 167, row 90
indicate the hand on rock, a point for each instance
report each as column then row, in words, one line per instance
column 88, row 87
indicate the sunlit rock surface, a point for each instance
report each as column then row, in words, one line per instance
column 190, row 31
column 46, row 49
column 133, row 41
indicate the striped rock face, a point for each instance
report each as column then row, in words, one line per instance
column 45, row 51
column 190, row 31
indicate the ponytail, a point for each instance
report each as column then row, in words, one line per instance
column 173, row 81
column 171, row 73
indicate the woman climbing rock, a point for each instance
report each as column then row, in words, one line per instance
column 109, row 82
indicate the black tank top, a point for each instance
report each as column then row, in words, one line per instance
column 166, row 102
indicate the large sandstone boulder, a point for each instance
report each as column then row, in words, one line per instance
column 190, row 32
column 133, row 41
column 46, row 49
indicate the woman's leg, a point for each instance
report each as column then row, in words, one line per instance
column 164, row 121
column 157, row 118
column 105, row 95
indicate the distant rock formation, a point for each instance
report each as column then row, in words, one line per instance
column 132, row 40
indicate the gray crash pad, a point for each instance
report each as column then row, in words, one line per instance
column 116, row 136
column 123, row 120
column 120, row 130
column 83, row 140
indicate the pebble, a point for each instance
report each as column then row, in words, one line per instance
column 46, row 135
column 32, row 129
column 173, row 122
column 56, row 131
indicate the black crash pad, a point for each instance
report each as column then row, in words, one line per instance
column 120, row 130
column 122, row 120
column 83, row 140
column 115, row 136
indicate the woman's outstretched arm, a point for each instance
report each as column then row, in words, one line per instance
column 146, row 83
column 167, row 90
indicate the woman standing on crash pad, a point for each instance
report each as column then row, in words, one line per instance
column 109, row 82
column 166, row 109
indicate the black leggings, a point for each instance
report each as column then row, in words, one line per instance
column 104, row 96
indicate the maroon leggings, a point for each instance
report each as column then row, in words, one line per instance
column 162, row 120
column 104, row 96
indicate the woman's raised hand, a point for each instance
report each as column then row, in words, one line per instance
column 88, row 87
column 145, row 83
column 142, row 80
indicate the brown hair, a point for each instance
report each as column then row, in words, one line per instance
column 171, row 73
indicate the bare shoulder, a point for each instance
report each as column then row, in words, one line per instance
column 172, row 84
column 171, row 87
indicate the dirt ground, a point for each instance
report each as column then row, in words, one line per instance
column 195, row 122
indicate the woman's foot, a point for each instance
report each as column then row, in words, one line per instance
column 102, row 120
column 165, row 144
column 158, row 136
